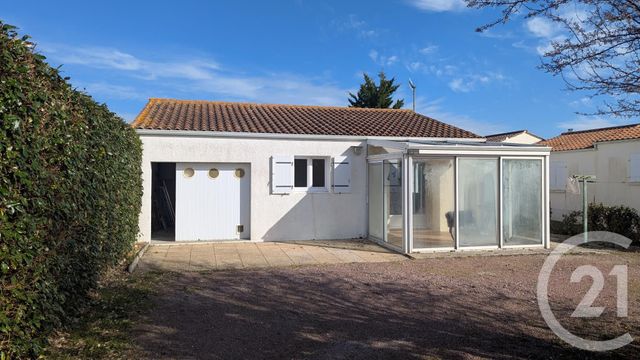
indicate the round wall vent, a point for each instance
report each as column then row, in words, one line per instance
column 189, row 172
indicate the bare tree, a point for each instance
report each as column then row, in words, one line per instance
column 599, row 52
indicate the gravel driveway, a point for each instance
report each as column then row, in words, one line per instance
column 473, row 307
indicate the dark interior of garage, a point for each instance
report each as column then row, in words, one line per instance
column 163, row 201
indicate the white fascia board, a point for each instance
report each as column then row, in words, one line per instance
column 425, row 148
column 485, row 151
column 216, row 134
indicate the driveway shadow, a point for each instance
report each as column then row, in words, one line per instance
column 348, row 311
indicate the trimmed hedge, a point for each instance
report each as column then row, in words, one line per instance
column 70, row 195
column 617, row 219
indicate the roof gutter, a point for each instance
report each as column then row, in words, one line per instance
column 248, row 135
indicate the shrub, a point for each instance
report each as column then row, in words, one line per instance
column 618, row 219
column 70, row 195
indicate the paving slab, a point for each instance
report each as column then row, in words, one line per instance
column 209, row 256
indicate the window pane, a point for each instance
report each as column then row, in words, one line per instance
column 433, row 203
column 522, row 201
column 375, row 200
column 300, row 173
column 318, row 173
column 393, row 202
column 478, row 192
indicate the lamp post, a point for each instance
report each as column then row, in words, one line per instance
column 585, row 203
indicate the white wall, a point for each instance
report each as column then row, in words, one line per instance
column 297, row 216
column 609, row 162
column 522, row 138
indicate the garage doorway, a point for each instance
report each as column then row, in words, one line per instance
column 163, row 200
column 212, row 201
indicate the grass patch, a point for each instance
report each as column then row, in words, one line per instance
column 103, row 329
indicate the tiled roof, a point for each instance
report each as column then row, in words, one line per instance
column 503, row 136
column 168, row 114
column 575, row 140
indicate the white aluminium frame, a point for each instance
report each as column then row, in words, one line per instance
column 327, row 174
column 381, row 241
column 421, row 157
column 498, row 201
column 408, row 183
column 543, row 219
column 408, row 215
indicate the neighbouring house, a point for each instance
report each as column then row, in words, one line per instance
column 225, row 171
column 611, row 154
column 515, row 137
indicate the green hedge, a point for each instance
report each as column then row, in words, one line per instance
column 70, row 195
column 617, row 219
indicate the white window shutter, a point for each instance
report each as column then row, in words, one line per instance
column 559, row 175
column 281, row 174
column 341, row 174
column 634, row 167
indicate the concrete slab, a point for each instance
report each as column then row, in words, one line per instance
column 239, row 255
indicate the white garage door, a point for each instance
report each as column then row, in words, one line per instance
column 212, row 201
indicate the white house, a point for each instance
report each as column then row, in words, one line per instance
column 225, row 171
column 611, row 154
column 515, row 137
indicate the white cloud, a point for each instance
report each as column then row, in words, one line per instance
column 541, row 27
column 587, row 122
column 373, row 55
column 112, row 91
column 193, row 77
column 382, row 60
column 548, row 32
column 434, row 109
column 429, row 49
column 469, row 82
column 354, row 24
column 439, row 5
column 491, row 34
column 459, row 85
column 109, row 58
column 583, row 102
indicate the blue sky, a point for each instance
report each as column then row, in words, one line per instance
column 308, row 52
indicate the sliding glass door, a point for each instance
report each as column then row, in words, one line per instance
column 478, row 201
column 433, row 203
column 392, row 197
column 522, row 201
column 376, row 225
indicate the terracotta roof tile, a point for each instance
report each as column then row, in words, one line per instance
column 585, row 139
column 169, row 114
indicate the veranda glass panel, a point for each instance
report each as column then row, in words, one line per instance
column 478, row 203
column 393, row 202
column 433, row 203
column 375, row 201
column 522, row 201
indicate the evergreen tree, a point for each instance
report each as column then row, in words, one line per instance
column 372, row 95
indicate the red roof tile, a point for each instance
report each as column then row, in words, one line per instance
column 169, row 114
column 585, row 139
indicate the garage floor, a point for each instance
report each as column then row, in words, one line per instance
column 244, row 255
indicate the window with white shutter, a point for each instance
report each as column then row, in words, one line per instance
column 558, row 175
column 341, row 174
column 634, row 167
column 281, row 174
